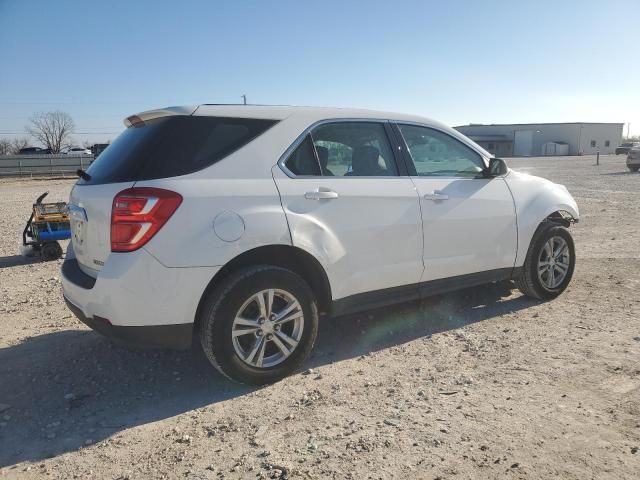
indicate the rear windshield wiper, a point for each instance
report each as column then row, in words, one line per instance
column 83, row 175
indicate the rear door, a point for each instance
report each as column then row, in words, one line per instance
column 469, row 221
column 350, row 204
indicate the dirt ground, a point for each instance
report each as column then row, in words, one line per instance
column 479, row 384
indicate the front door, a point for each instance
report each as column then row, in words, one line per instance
column 347, row 203
column 469, row 221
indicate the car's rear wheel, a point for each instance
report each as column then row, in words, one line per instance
column 259, row 325
column 549, row 264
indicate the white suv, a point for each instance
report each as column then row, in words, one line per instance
column 241, row 225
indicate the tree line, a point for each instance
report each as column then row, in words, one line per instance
column 52, row 130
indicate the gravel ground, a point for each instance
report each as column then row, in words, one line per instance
column 479, row 384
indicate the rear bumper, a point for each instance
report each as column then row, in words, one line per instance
column 136, row 299
column 633, row 162
column 177, row 337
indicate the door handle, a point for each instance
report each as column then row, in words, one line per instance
column 436, row 195
column 321, row 194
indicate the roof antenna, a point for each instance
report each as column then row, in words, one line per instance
column 244, row 99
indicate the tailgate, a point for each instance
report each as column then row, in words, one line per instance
column 90, row 219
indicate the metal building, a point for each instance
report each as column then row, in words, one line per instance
column 534, row 139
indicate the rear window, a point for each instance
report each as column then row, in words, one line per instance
column 172, row 146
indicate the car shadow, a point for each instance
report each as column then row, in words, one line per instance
column 620, row 173
column 17, row 260
column 70, row 388
column 351, row 336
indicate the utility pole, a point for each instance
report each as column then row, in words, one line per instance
column 628, row 127
column 244, row 99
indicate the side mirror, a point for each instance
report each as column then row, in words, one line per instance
column 496, row 167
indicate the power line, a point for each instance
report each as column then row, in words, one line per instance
column 76, row 103
column 26, row 134
column 163, row 102
column 81, row 129
column 26, row 117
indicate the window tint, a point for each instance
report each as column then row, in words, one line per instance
column 302, row 160
column 437, row 154
column 172, row 146
column 354, row 149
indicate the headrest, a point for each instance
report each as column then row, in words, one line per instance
column 323, row 156
column 364, row 160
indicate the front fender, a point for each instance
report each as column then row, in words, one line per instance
column 535, row 199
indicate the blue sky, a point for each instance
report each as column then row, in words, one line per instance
column 456, row 61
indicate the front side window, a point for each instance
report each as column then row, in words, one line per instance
column 437, row 154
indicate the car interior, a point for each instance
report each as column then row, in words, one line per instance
column 344, row 149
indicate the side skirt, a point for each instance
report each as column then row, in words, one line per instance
column 416, row 291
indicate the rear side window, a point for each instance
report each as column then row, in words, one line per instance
column 344, row 149
column 172, row 146
column 359, row 149
column 303, row 161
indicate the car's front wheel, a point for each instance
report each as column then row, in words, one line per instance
column 259, row 325
column 549, row 264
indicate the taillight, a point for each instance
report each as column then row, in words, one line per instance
column 138, row 213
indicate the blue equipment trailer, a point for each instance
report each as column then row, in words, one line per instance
column 48, row 223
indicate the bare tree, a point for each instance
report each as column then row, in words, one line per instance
column 52, row 129
column 5, row 146
column 18, row 144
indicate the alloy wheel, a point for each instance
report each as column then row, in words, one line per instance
column 553, row 262
column 267, row 328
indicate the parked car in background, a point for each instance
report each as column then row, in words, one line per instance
column 633, row 159
column 77, row 151
column 242, row 225
column 34, row 151
column 98, row 148
column 624, row 148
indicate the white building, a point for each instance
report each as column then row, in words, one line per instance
column 533, row 139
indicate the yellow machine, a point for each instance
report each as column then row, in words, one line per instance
column 49, row 222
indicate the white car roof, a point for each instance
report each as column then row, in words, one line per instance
column 280, row 112
column 293, row 120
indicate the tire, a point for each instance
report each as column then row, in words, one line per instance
column 543, row 286
column 237, row 296
column 51, row 251
column 634, row 169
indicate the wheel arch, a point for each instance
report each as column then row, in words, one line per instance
column 559, row 217
column 562, row 214
column 563, row 217
column 284, row 256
